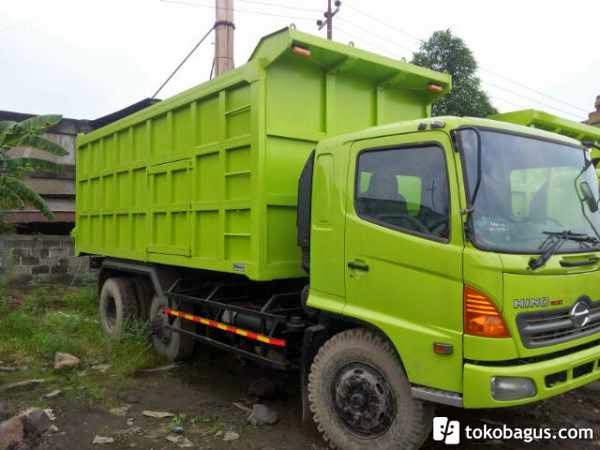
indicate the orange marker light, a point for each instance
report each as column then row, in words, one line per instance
column 301, row 51
column 435, row 88
column 481, row 318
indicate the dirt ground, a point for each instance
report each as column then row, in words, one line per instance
column 205, row 391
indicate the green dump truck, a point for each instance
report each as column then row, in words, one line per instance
column 305, row 212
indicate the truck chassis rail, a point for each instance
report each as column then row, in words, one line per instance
column 217, row 308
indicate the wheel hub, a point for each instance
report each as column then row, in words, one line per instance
column 364, row 400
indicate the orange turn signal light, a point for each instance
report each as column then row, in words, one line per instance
column 301, row 51
column 435, row 88
column 481, row 315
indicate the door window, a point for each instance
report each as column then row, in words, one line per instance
column 405, row 188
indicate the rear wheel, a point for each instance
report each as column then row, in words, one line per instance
column 172, row 345
column 144, row 292
column 360, row 397
column 117, row 306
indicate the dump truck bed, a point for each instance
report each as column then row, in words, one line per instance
column 208, row 179
column 549, row 122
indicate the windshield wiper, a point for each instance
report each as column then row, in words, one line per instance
column 555, row 241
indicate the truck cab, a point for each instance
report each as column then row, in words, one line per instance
column 471, row 245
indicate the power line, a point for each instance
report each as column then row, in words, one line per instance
column 533, row 90
column 279, row 5
column 522, row 85
column 562, row 111
column 375, row 35
column 355, row 39
column 237, row 10
column 183, row 61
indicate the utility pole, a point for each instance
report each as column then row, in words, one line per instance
column 224, row 28
column 329, row 18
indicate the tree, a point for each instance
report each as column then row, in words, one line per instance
column 445, row 52
column 14, row 193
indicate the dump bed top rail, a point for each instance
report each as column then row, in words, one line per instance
column 552, row 123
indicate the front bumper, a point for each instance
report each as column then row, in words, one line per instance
column 552, row 377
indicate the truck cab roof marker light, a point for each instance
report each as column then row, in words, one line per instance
column 481, row 317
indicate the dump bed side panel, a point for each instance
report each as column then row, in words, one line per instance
column 175, row 187
column 308, row 102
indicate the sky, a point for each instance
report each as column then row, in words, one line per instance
column 87, row 58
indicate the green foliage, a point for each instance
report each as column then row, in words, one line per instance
column 14, row 193
column 445, row 52
column 54, row 320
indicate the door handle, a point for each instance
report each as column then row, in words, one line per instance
column 584, row 262
column 358, row 265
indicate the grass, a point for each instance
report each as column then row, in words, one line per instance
column 49, row 319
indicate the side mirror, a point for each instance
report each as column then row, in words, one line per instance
column 588, row 196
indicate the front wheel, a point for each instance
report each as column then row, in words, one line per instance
column 360, row 397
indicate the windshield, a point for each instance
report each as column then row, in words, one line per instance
column 527, row 188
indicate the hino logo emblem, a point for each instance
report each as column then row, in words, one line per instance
column 580, row 313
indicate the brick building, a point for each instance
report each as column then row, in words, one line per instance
column 57, row 189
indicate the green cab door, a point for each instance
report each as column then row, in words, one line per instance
column 404, row 245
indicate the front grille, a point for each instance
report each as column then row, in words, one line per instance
column 543, row 328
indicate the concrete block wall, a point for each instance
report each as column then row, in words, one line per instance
column 33, row 258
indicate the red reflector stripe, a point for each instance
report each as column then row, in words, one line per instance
column 225, row 327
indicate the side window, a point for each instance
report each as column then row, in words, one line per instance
column 404, row 188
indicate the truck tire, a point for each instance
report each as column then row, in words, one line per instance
column 144, row 293
column 117, row 306
column 360, row 396
column 173, row 346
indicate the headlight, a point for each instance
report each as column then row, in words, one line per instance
column 512, row 388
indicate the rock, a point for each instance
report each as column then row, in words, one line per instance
column 12, row 433
column 8, row 369
column 154, row 434
column 180, row 441
column 37, row 421
column 160, row 369
column 262, row 415
column 177, row 429
column 53, row 394
column 24, row 430
column 50, row 413
column 21, row 385
column 4, row 412
column 101, row 440
column 121, row 411
column 65, row 361
column 128, row 397
column 231, row 436
column 244, row 408
column 103, row 368
column 263, row 388
column 53, row 429
column 130, row 421
column 157, row 414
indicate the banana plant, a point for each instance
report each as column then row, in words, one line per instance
column 14, row 192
